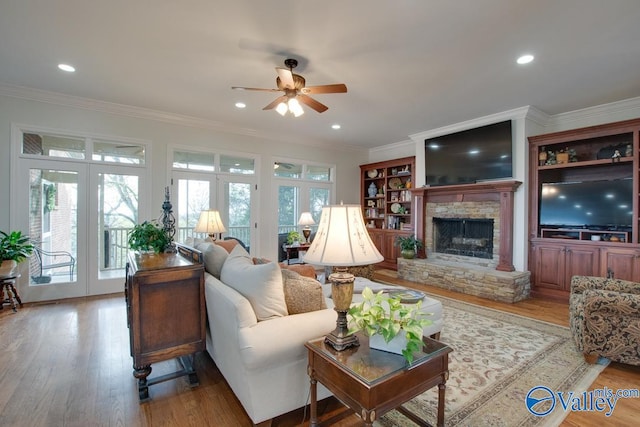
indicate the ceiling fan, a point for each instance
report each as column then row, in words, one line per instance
column 295, row 91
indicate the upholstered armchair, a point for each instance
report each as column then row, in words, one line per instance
column 604, row 316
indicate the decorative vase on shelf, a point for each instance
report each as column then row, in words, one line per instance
column 372, row 190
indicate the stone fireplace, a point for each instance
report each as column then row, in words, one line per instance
column 468, row 235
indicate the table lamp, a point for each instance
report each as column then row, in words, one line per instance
column 342, row 241
column 306, row 220
column 210, row 223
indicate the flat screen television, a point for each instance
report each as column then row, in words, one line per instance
column 474, row 155
column 596, row 205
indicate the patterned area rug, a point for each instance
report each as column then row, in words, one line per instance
column 498, row 357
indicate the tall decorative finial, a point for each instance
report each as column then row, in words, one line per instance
column 167, row 219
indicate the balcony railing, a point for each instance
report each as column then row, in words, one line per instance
column 115, row 246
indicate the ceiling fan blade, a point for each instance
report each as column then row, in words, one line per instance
column 336, row 88
column 275, row 103
column 254, row 88
column 286, row 77
column 319, row 107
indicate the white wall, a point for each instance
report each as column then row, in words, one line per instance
column 162, row 133
column 527, row 121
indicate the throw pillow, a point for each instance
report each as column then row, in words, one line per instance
column 302, row 294
column 260, row 284
column 227, row 244
column 214, row 257
column 302, row 269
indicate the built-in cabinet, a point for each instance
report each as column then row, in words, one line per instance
column 559, row 251
column 386, row 203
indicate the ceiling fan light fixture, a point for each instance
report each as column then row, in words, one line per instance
column 282, row 108
column 295, row 107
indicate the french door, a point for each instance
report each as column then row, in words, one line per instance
column 49, row 205
column 79, row 215
column 232, row 195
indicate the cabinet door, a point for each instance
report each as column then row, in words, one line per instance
column 377, row 238
column 549, row 266
column 391, row 251
column 621, row 263
column 580, row 261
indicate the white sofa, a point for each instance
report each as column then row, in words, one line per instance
column 264, row 362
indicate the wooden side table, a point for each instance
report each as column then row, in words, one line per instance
column 373, row 382
column 299, row 248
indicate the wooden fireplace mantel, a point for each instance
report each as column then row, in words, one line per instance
column 499, row 191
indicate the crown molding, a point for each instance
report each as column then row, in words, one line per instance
column 516, row 113
column 394, row 146
column 57, row 98
column 599, row 114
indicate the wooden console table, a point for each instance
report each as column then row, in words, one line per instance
column 372, row 382
column 165, row 314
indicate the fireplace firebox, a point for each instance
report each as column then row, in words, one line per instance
column 464, row 236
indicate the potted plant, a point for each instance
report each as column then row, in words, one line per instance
column 408, row 246
column 14, row 248
column 293, row 237
column 386, row 318
column 149, row 236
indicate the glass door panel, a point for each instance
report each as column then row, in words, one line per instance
column 237, row 212
column 53, row 229
column 194, row 196
column 117, row 214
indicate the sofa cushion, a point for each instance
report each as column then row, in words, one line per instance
column 302, row 294
column 260, row 284
column 214, row 257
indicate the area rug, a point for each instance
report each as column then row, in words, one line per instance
column 497, row 358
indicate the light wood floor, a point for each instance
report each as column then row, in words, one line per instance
column 67, row 364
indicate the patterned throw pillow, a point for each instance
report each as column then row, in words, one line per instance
column 302, row 294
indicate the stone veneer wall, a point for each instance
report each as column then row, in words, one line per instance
column 470, row 279
column 477, row 210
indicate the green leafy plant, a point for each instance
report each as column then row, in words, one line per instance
column 149, row 236
column 408, row 243
column 388, row 317
column 293, row 237
column 14, row 246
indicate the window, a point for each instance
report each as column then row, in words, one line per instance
column 297, row 194
column 225, row 182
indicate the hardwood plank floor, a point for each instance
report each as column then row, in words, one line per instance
column 67, row 364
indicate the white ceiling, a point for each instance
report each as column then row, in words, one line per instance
column 410, row 66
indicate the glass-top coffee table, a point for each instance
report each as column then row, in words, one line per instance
column 372, row 382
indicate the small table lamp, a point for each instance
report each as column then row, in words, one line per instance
column 342, row 241
column 210, row 223
column 306, row 220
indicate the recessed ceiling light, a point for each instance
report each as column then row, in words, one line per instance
column 66, row 67
column 474, row 151
column 335, row 126
column 240, row 105
column 525, row 59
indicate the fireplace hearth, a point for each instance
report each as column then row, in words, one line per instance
column 464, row 236
column 494, row 278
